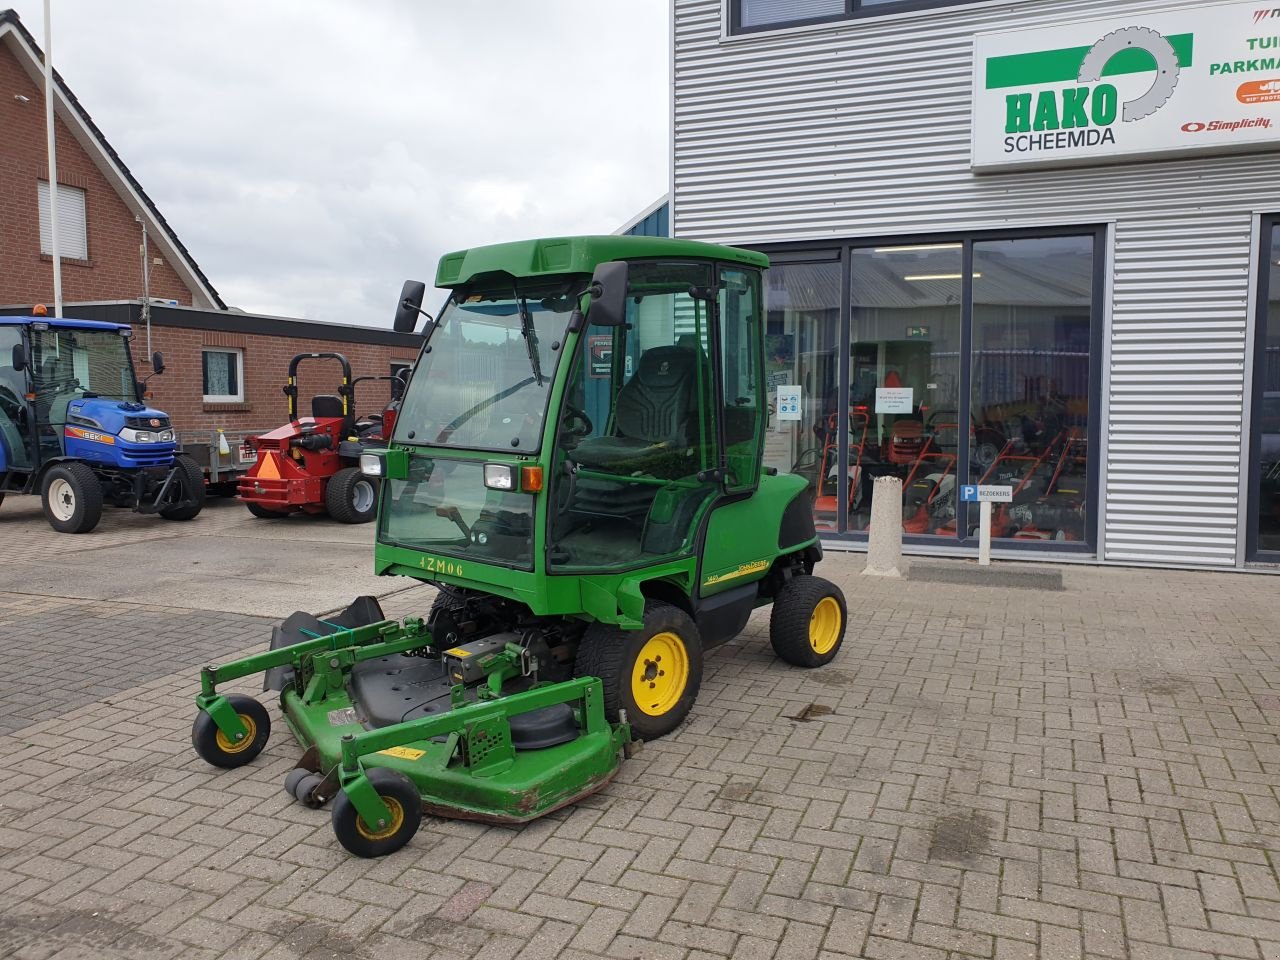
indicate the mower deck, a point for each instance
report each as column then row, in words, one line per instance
column 376, row 706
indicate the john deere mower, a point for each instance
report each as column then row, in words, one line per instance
column 578, row 469
column 312, row 464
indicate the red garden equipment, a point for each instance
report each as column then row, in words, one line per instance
column 825, row 504
column 312, row 464
column 1059, row 513
column 930, row 481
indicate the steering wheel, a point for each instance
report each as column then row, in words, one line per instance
column 574, row 422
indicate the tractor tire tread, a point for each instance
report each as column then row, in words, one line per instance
column 87, row 491
column 603, row 652
column 339, row 496
column 790, row 617
column 193, row 479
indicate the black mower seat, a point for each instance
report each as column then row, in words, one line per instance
column 326, row 405
column 653, row 414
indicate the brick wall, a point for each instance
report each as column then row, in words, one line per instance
column 179, row 391
column 114, row 268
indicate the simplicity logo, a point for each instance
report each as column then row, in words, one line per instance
column 1272, row 14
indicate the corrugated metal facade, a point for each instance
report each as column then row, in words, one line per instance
column 862, row 129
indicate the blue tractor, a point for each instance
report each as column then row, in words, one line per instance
column 73, row 430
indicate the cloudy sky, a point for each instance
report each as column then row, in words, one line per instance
column 313, row 155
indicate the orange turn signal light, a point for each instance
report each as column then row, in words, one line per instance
column 531, row 479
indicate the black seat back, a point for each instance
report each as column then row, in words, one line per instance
column 326, row 405
column 657, row 403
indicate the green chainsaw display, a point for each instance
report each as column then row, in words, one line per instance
column 578, row 467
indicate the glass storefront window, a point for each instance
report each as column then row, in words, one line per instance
column 968, row 362
column 1266, row 417
column 1032, row 319
column 904, row 381
column 803, row 320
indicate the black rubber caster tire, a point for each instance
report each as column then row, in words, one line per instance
column 808, row 621
column 302, row 790
column 291, row 781
column 405, row 803
column 214, row 748
column 622, row 659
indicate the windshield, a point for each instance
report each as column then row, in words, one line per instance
column 486, row 376
column 66, row 361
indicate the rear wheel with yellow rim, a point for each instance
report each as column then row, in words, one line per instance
column 404, row 809
column 653, row 673
column 807, row 624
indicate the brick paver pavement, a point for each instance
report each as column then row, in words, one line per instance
column 1049, row 763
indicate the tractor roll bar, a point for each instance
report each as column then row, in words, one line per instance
column 346, row 390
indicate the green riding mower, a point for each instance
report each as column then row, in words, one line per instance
column 578, row 468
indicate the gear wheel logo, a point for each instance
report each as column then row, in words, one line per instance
column 1136, row 38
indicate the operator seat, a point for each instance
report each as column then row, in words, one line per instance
column 655, row 415
column 326, row 405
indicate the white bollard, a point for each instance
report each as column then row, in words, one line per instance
column 984, row 535
column 884, row 548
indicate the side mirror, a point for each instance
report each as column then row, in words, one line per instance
column 609, row 294
column 19, row 361
column 157, row 363
column 410, row 305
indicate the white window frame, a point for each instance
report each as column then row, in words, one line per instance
column 73, row 221
column 238, row 354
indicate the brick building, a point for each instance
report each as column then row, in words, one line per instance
column 225, row 368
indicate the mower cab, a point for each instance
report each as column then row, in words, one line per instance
column 311, row 464
column 578, row 468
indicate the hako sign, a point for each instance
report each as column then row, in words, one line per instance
column 1201, row 79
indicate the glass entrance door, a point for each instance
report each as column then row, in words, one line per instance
column 1264, row 509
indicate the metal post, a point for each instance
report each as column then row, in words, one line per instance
column 53, row 160
column 146, row 285
column 984, row 536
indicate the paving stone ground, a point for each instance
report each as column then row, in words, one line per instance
column 1056, row 763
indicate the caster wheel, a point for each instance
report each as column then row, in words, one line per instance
column 403, row 802
column 213, row 745
column 303, row 787
column 296, row 775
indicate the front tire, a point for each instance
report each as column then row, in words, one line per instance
column 216, row 748
column 72, row 498
column 653, row 673
column 404, row 803
column 807, row 624
column 191, row 480
column 351, row 497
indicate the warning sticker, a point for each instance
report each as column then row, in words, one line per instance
column 458, row 652
column 404, row 753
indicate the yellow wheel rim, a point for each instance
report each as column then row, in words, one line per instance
column 396, row 822
column 660, row 674
column 226, row 745
column 824, row 626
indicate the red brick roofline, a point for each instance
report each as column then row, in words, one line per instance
column 19, row 41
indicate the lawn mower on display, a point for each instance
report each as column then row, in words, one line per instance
column 312, row 464
column 578, row 467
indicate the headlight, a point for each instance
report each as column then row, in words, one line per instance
column 166, row 436
column 137, row 436
column 499, row 476
column 371, row 465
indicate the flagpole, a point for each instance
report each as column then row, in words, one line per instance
column 53, row 160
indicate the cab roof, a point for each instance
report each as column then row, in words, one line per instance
column 580, row 255
column 63, row 322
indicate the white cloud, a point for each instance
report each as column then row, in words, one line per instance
column 312, row 155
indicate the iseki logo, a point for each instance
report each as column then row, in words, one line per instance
column 1272, row 14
